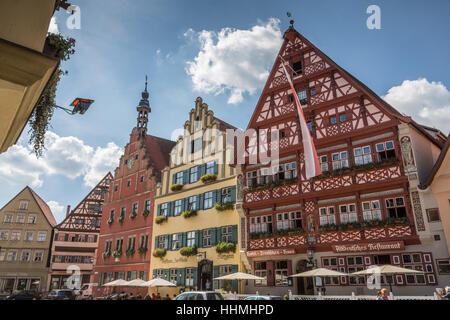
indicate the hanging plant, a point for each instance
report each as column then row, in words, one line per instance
column 176, row 187
column 208, row 178
column 129, row 252
column 106, row 254
column 42, row 114
column 224, row 206
column 189, row 213
column 159, row 253
column 160, row 219
column 121, row 219
column 225, row 247
column 110, row 221
column 188, row 251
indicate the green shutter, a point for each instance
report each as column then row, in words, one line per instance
column 183, row 239
column 185, row 203
column 233, row 194
column 194, row 270
column 198, row 238
column 216, row 167
column 216, row 271
column 174, row 178
column 234, row 230
column 166, row 274
column 214, row 196
column 170, row 207
column 202, row 170
column 218, row 234
column 167, row 242
column 213, row 236
column 200, row 201
column 156, row 242
column 159, row 210
column 180, row 280
column 186, row 176
column 154, row 273
column 234, row 283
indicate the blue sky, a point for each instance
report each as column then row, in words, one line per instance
column 121, row 41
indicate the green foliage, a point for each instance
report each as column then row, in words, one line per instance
column 160, row 219
column 145, row 213
column 121, row 219
column 110, row 221
column 106, row 254
column 130, row 252
column 225, row 247
column 224, row 206
column 272, row 185
column 133, row 215
column 117, row 253
column 208, row 178
column 260, row 235
column 176, row 187
column 290, row 232
column 64, row 46
column 142, row 251
column 189, row 213
column 159, row 253
column 188, row 251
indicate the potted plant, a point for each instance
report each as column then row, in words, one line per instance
column 176, row 187
column 224, row 206
column 189, row 213
column 129, row 252
column 142, row 251
column 133, row 215
column 188, row 251
column 225, row 247
column 207, row 178
column 159, row 253
column 117, row 253
column 106, row 254
column 145, row 213
column 121, row 219
column 110, row 221
column 160, row 219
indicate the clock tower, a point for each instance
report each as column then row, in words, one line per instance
column 143, row 110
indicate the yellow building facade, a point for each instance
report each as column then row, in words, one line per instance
column 195, row 232
column 26, row 231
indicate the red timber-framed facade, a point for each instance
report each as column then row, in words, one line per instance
column 365, row 208
column 75, row 239
column 126, row 230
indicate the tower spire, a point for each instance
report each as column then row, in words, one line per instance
column 143, row 110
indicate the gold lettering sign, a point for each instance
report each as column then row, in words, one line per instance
column 369, row 247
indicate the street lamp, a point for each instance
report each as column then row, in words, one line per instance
column 201, row 256
column 79, row 106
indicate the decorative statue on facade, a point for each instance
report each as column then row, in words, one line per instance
column 240, row 188
column 311, row 223
column 407, row 152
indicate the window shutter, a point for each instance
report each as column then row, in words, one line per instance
column 156, row 242
column 234, row 230
column 166, row 274
column 198, row 238
column 218, row 234
column 234, row 283
column 180, row 277
column 170, row 207
column 174, row 178
column 216, row 196
column 213, row 236
column 186, row 176
column 216, row 271
column 200, row 201
column 154, row 273
column 216, row 168
column 167, row 243
column 183, row 239
column 202, row 169
column 233, row 194
column 159, row 210
column 194, row 271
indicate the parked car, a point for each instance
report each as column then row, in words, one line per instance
column 25, row 295
column 85, row 291
column 263, row 298
column 199, row 295
column 61, row 294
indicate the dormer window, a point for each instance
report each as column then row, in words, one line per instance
column 297, row 67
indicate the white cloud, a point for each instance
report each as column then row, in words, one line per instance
column 57, row 210
column 69, row 157
column 426, row 102
column 53, row 27
column 234, row 61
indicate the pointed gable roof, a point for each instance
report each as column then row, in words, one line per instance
column 158, row 150
column 294, row 41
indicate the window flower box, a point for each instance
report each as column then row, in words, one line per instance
column 176, row 187
column 117, row 253
column 329, row 228
column 160, row 219
column 189, row 213
column 142, row 251
column 224, row 206
column 145, row 213
column 225, row 247
column 159, row 253
column 106, row 254
column 188, row 251
column 272, row 185
column 130, row 252
column 133, row 215
column 260, row 235
column 207, row 178
column 121, row 219
column 110, row 221
column 290, row 232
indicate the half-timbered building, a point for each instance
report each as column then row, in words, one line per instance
column 75, row 242
column 365, row 209
column 126, row 228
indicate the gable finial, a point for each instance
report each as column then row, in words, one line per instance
column 146, row 83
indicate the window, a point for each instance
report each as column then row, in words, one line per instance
column 42, row 236
column 396, row 207
column 251, row 179
column 178, row 207
column 206, row 237
column 227, row 234
column 162, row 241
column 297, row 67
column 281, row 273
column 193, row 176
column 261, row 224
column 443, row 266
column 211, row 167
column 382, row 259
column 190, row 239
column 32, row 219
column 38, row 256
column 189, row 278
column 342, row 117
column 29, row 236
column 323, row 163
column 142, row 179
column 111, row 214
column 371, row 210
column 289, row 221
column 433, row 215
column 116, row 188
column 385, row 150
column 134, row 208
column 192, row 203
column 131, row 243
column 327, row 216
column 20, row 219
column 129, row 183
column 2, row 254
column 164, row 211
column 363, row 155
column 15, row 235
column 302, row 97
column 26, row 255
column 4, row 234
column 12, row 255
column 313, row 92
column 414, row 262
column 347, row 213
column 119, row 244
column 147, row 205
column 261, row 271
column 123, row 212
column 225, row 196
column 333, row 120
column 310, row 126
column 23, row 205
column 197, row 124
column 196, row 145
column 8, row 218
column 290, row 170
column 179, row 177
column 208, row 200
column 144, row 241
column 340, row 160
column 263, row 176
column 176, row 241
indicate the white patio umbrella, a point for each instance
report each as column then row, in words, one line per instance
column 136, row 283
column 386, row 270
column 239, row 276
column 158, row 282
column 320, row 272
column 116, row 283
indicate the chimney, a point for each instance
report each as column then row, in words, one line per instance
column 68, row 211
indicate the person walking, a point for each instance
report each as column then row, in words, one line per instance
column 379, row 296
column 147, row 297
column 158, row 296
column 446, row 293
column 167, row 297
column 384, row 294
column 153, row 296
